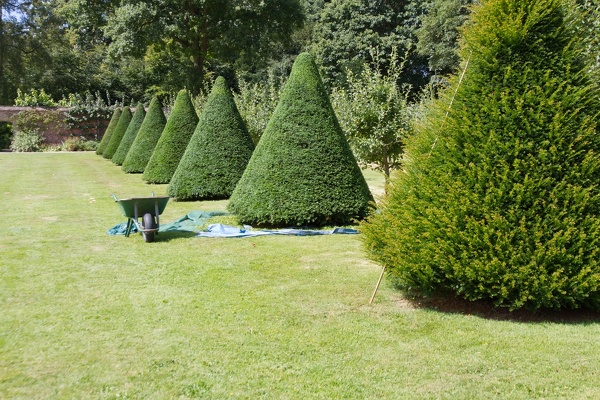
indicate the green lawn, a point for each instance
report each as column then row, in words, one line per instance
column 88, row 315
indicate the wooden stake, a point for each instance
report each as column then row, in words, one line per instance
column 377, row 286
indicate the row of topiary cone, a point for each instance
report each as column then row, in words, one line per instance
column 302, row 172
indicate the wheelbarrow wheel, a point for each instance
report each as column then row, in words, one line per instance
column 148, row 223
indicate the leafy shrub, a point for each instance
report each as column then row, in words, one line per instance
column 114, row 120
column 27, row 136
column 27, row 140
column 499, row 196
column 217, row 153
column 72, row 144
column 130, row 134
column 302, row 171
column 89, row 145
column 34, row 98
column 5, row 135
column 143, row 145
column 173, row 141
column 78, row 144
column 118, row 133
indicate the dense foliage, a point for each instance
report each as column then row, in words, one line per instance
column 439, row 32
column 5, row 135
column 114, row 120
column 143, row 145
column 302, row 171
column 173, row 141
column 79, row 47
column 118, row 133
column 218, row 152
column 130, row 134
column 499, row 196
column 348, row 30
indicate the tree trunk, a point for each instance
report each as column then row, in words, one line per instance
column 386, row 169
column 2, row 79
column 199, row 48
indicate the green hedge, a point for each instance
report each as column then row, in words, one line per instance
column 302, row 171
column 130, row 134
column 173, row 141
column 118, row 133
column 499, row 198
column 143, row 145
column 109, row 130
column 218, row 152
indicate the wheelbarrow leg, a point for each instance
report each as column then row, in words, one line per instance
column 129, row 227
column 156, row 215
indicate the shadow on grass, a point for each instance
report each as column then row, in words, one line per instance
column 486, row 309
column 172, row 235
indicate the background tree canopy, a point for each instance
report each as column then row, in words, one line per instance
column 130, row 50
column 134, row 50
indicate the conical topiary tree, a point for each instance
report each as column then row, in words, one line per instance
column 302, row 171
column 118, row 133
column 143, row 145
column 130, row 134
column 499, row 198
column 173, row 141
column 109, row 130
column 217, row 153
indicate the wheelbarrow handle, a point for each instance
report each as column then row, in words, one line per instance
column 114, row 197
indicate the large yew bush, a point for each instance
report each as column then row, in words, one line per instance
column 130, row 134
column 499, row 198
column 217, row 153
column 143, row 145
column 302, row 171
column 118, row 133
column 173, row 141
column 109, row 130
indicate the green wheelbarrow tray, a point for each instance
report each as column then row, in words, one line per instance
column 148, row 209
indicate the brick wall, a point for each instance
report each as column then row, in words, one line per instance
column 56, row 133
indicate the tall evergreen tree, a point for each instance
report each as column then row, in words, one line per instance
column 173, row 141
column 118, row 133
column 302, row 171
column 109, row 131
column 130, row 134
column 146, row 139
column 499, row 197
column 218, row 152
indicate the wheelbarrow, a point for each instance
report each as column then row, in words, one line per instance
column 146, row 208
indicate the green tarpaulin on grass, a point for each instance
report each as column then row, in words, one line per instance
column 191, row 222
